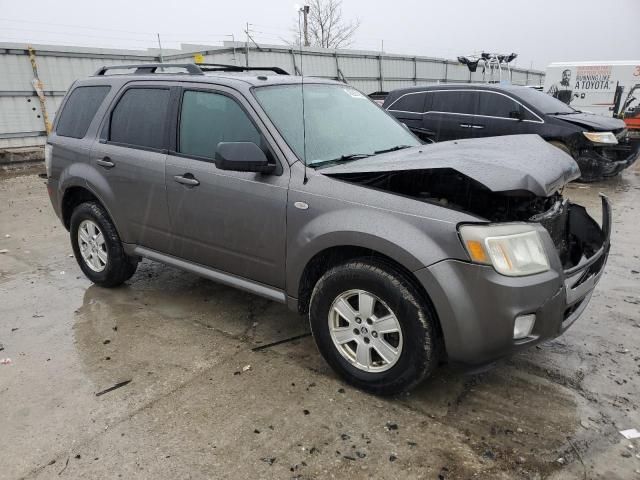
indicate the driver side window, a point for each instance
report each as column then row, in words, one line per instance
column 207, row 119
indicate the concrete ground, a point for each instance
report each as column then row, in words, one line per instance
column 201, row 403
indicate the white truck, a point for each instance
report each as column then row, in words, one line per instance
column 610, row 88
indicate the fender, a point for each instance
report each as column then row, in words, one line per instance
column 86, row 176
column 413, row 242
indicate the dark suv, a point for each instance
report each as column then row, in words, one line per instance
column 449, row 112
column 304, row 191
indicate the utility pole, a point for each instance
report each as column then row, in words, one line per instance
column 246, row 46
column 305, row 13
column 160, row 47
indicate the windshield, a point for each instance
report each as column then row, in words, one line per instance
column 543, row 101
column 341, row 123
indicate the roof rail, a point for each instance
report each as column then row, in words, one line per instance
column 144, row 68
column 222, row 67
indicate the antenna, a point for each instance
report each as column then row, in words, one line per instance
column 304, row 123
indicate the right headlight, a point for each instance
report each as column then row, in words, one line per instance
column 512, row 249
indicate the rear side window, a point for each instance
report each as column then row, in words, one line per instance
column 409, row 102
column 140, row 117
column 79, row 110
column 496, row 105
column 455, row 101
column 207, row 119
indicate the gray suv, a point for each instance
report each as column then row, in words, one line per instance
column 307, row 193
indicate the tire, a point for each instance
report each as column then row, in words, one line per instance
column 415, row 342
column 562, row 146
column 104, row 261
column 584, row 178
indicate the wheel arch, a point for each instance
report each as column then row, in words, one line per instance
column 328, row 258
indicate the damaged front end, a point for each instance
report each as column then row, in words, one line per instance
column 601, row 161
column 482, row 305
column 582, row 246
column 574, row 233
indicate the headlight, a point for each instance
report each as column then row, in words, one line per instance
column 512, row 249
column 601, row 137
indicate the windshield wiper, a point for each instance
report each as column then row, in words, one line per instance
column 342, row 159
column 392, row 149
column 564, row 113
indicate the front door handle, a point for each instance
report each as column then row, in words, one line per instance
column 105, row 162
column 477, row 126
column 465, row 125
column 187, row 179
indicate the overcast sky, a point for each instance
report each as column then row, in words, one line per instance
column 540, row 31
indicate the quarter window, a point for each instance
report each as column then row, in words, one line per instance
column 140, row 118
column 410, row 102
column 209, row 118
column 78, row 112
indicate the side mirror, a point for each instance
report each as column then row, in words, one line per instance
column 242, row 157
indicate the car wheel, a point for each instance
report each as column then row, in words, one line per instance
column 562, row 146
column 97, row 247
column 373, row 327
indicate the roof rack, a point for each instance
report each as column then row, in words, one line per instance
column 191, row 68
column 144, row 68
column 222, row 67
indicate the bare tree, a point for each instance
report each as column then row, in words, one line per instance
column 326, row 27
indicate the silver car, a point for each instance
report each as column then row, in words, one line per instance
column 305, row 192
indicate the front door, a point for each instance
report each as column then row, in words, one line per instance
column 231, row 221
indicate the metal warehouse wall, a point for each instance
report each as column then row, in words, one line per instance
column 22, row 119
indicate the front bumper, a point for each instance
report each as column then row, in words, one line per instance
column 477, row 306
column 597, row 162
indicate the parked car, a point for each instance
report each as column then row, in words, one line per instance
column 600, row 145
column 400, row 254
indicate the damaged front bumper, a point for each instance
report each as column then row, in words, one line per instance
column 598, row 162
column 477, row 306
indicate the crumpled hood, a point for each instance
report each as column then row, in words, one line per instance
column 591, row 121
column 502, row 164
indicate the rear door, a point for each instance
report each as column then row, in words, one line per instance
column 234, row 222
column 130, row 156
column 451, row 114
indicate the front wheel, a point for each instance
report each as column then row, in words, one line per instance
column 373, row 327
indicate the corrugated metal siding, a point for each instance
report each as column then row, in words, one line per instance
column 58, row 67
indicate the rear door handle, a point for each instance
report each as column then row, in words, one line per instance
column 105, row 162
column 477, row 126
column 465, row 125
column 187, row 179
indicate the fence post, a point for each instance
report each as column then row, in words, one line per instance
column 415, row 70
column 381, row 78
column 39, row 88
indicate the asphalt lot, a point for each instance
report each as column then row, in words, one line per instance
column 202, row 404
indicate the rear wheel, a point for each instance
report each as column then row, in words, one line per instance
column 372, row 327
column 97, row 247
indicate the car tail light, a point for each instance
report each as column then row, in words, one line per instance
column 48, row 154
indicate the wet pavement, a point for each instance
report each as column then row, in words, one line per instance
column 201, row 403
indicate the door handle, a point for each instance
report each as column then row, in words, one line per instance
column 477, row 126
column 465, row 125
column 105, row 162
column 187, row 179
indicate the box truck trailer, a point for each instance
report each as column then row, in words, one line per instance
column 605, row 88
